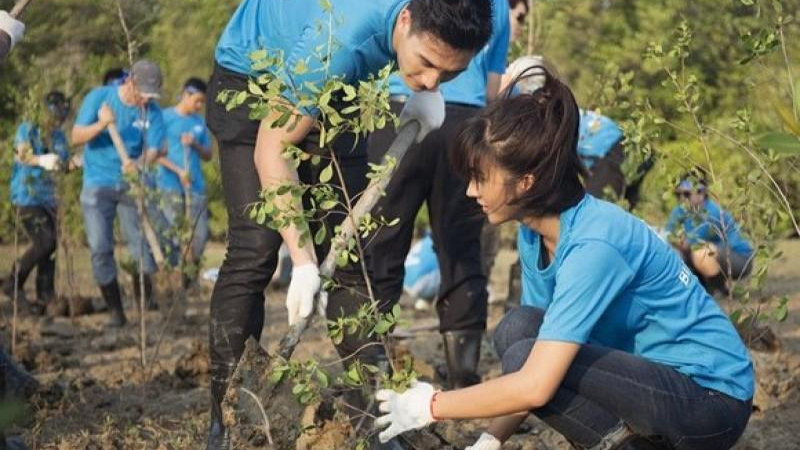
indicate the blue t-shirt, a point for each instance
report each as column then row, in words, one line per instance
column 615, row 283
column 711, row 224
column 101, row 163
column 298, row 30
column 469, row 87
column 597, row 136
column 32, row 185
column 176, row 125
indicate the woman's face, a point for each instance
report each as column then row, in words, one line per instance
column 517, row 18
column 493, row 192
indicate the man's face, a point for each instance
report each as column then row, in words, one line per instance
column 425, row 61
column 194, row 101
column 517, row 18
column 136, row 97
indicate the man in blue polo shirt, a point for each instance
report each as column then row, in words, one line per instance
column 131, row 106
column 429, row 40
column 188, row 142
column 425, row 176
column 39, row 151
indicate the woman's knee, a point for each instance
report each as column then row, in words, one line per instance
column 516, row 355
column 518, row 324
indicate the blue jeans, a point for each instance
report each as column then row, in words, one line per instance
column 100, row 205
column 172, row 212
column 605, row 388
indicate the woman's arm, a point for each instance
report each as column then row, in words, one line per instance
column 529, row 388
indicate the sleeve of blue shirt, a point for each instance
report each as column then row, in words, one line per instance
column 498, row 50
column 156, row 133
column 22, row 136
column 591, row 276
column 87, row 114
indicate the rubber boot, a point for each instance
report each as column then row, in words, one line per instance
column 45, row 287
column 113, row 298
column 218, row 436
column 462, row 351
column 149, row 299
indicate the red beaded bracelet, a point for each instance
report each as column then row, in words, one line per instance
column 433, row 400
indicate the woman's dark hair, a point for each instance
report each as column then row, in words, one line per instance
column 114, row 75
column 461, row 24
column 513, row 4
column 529, row 134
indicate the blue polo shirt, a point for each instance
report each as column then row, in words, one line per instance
column 469, row 88
column 177, row 125
column 710, row 224
column 597, row 136
column 615, row 283
column 101, row 164
column 32, row 185
column 298, row 31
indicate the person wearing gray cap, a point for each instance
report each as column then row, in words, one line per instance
column 132, row 107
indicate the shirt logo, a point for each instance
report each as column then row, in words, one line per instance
column 141, row 124
column 684, row 276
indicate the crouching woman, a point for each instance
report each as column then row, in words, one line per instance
column 616, row 341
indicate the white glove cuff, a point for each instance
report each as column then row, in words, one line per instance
column 487, row 442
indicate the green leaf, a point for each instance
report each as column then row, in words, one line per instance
column 382, row 327
column 326, row 174
column 781, row 143
column 298, row 388
column 254, row 88
column 319, row 236
column 328, row 204
column 396, row 311
column 322, row 377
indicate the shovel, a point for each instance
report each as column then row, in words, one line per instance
column 147, row 227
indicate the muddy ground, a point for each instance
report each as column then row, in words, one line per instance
column 98, row 394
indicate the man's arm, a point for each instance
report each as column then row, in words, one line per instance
column 11, row 32
column 182, row 174
column 203, row 151
column 81, row 134
column 273, row 169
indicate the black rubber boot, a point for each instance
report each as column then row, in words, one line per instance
column 149, row 299
column 462, row 350
column 45, row 287
column 218, row 436
column 113, row 298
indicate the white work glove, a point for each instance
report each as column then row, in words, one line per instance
column 407, row 411
column 13, row 27
column 48, row 161
column 426, row 107
column 300, row 298
column 486, row 442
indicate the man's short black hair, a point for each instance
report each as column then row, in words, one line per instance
column 461, row 24
column 195, row 85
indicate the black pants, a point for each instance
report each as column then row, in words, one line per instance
column 425, row 176
column 39, row 224
column 604, row 388
column 237, row 302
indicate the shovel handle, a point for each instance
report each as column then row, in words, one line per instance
column 406, row 137
column 18, row 8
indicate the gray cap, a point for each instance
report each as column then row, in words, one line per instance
column 147, row 76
